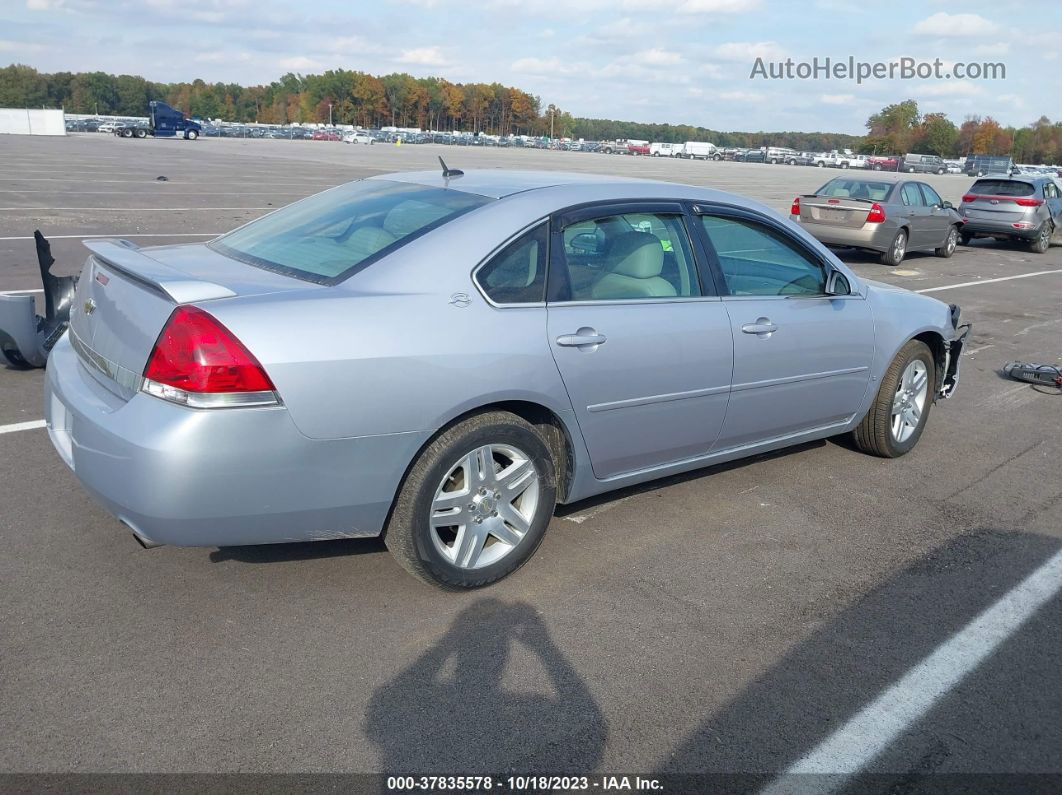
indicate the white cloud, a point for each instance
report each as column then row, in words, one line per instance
column 718, row 6
column 6, row 45
column 955, row 25
column 836, row 99
column 656, row 57
column 951, row 88
column 750, row 51
column 44, row 5
column 740, row 96
column 300, row 63
column 542, row 66
column 423, row 56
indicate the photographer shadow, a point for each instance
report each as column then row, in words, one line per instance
column 449, row 713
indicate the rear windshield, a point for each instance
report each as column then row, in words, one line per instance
column 841, row 188
column 1003, row 187
column 328, row 237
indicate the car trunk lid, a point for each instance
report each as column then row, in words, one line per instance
column 834, row 211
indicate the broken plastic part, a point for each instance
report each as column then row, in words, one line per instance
column 26, row 338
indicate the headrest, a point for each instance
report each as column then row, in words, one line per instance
column 637, row 254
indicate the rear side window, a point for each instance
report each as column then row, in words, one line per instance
column 1003, row 187
column 517, row 273
column 327, row 237
column 910, row 195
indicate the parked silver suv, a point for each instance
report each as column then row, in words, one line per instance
column 1026, row 209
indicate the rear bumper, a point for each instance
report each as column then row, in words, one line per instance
column 877, row 237
column 978, row 226
column 217, row 477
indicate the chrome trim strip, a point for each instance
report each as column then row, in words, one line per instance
column 646, row 401
column 122, row 376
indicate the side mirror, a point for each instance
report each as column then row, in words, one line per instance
column 837, row 284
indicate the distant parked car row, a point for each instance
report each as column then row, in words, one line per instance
column 892, row 217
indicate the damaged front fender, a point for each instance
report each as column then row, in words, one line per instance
column 26, row 338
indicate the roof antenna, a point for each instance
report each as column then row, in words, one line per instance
column 449, row 172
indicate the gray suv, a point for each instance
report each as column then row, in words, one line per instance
column 923, row 164
column 1027, row 209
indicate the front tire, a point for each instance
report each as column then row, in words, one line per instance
column 898, row 415
column 191, row 135
column 897, row 249
column 475, row 504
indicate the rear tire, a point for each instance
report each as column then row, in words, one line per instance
column 1042, row 242
column 432, row 552
column 896, row 251
column 877, row 434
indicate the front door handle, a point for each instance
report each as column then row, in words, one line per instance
column 584, row 336
column 763, row 327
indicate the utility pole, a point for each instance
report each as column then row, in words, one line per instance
column 329, row 114
column 552, row 112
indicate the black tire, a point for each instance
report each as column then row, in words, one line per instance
column 877, row 168
column 127, row 133
column 940, row 171
column 874, row 433
column 820, row 164
column 141, row 133
column 950, row 242
column 1042, row 242
column 408, row 535
column 892, row 256
column 965, row 239
column 191, row 135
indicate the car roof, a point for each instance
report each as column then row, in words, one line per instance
column 499, row 183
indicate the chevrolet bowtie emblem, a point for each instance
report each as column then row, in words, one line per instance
column 90, row 307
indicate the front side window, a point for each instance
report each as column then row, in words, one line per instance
column 931, row 196
column 328, row 236
column 517, row 273
column 757, row 260
column 629, row 257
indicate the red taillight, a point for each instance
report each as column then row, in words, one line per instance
column 795, row 209
column 195, row 353
column 1028, row 202
column 969, row 197
column 876, row 214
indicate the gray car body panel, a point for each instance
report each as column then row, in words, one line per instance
column 370, row 368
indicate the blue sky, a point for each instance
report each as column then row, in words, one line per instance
column 645, row 60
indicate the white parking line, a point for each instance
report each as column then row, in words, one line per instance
column 119, row 234
column 22, row 426
column 863, row 738
column 20, row 292
column 987, row 281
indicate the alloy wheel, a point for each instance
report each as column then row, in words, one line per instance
column 909, row 401
column 484, row 506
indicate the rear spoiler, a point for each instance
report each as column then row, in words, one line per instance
column 128, row 259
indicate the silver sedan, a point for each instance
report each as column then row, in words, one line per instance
column 439, row 358
column 889, row 217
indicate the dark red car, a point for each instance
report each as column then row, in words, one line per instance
column 638, row 149
column 883, row 163
column 325, row 135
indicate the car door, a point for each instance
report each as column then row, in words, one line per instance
column 1053, row 198
column 642, row 341
column 938, row 218
column 915, row 214
column 801, row 357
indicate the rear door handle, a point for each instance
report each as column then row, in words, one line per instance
column 763, row 327
column 580, row 338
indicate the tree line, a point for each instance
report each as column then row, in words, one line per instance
column 902, row 128
column 401, row 100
